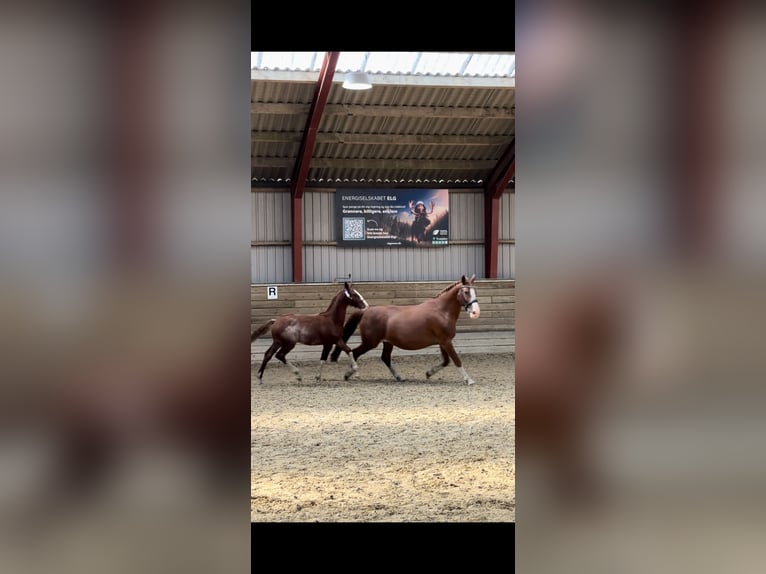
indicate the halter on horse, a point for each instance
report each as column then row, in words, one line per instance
column 431, row 322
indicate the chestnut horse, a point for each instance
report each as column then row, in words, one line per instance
column 431, row 322
column 324, row 329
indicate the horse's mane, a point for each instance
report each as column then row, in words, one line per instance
column 447, row 288
column 329, row 306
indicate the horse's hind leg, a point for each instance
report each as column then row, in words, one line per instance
column 458, row 363
column 323, row 360
column 386, row 358
column 266, row 358
column 282, row 356
column 348, row 330
column 436, row 368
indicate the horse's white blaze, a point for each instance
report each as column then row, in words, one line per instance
column 362, row 298
column 473, row 311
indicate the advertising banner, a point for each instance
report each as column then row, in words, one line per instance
column 392, row 217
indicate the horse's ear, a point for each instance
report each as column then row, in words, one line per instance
column 473, row 277
column 463, row 280
column 346, row 285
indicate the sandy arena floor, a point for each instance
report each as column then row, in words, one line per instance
column 376, row 450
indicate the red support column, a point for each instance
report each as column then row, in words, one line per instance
column 301, row 169
column 296, row 211
column 491, row 235
column 496, row 183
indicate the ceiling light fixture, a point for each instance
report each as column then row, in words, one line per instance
column 357, row 81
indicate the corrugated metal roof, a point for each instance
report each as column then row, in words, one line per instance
column 406, row 134
column 431, row 63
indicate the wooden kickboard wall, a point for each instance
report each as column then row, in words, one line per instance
column 496, row 298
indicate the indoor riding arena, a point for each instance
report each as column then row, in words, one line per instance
column 387, row 211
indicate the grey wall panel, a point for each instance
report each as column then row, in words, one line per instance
column 466, row 220
column 270, row 215
column 318, row 216
column 507, row 206
column 506, row 264
column 327, row 263
column 271, row 264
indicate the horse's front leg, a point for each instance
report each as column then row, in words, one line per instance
column 456, row 359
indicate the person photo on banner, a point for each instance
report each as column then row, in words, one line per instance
column 421, row 222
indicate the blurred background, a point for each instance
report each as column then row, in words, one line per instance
column 640, row 248
column 124, row 249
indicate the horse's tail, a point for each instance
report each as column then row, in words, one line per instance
column 261, row 330
column 348, row 330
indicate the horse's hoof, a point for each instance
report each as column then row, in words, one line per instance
column 428, row 374
column 469, row 382
column 400, row 379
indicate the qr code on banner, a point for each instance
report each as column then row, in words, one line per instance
column 353, row 228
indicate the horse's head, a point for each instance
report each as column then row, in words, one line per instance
column 353, row 297
column 466, row 294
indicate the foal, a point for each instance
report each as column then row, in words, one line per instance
column 324, row 329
